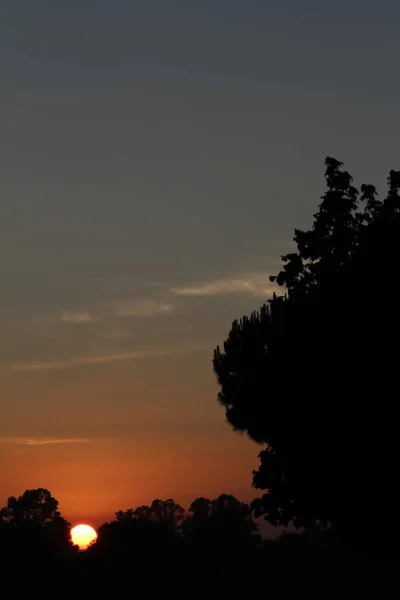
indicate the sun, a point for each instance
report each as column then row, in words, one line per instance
column 83, row 535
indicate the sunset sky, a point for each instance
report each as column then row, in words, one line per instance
column 155, row 158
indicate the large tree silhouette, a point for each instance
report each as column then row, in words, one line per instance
column 313, row 374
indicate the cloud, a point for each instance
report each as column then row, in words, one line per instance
column 140, row 307
column 80, row 361
column 75, row 317
column 103, row 314
column 35, row 442
column 41, row 441
column 256, row 284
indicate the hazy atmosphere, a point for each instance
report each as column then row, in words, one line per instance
column 155, row 158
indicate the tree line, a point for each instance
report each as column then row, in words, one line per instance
column 31, row 524
column 213, row 548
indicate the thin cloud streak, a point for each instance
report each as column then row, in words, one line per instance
column 81, row 361
column 104, row 313
column 257, row 284
column 41, row 441
column 61, row 441
column 140, row 307
column 76, row 317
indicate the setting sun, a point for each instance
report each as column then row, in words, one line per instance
column 83, row 535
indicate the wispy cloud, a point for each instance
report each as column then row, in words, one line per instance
column 76, row 317
column 257, row 284
column 41, row 441
column 80, row 361
column 103, row 315
column 140, row 307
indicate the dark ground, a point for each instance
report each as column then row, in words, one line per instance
column 313, row 574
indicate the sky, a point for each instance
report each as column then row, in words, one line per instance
column 155, row 157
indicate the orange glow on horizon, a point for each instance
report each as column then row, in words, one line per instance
column 186, row 458
column 82, row 535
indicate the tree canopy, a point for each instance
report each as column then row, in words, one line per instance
column 145, row 527
column 220, row 526
column 36, row 505
column 221, row 523
column 33, row 520
column 312, row 375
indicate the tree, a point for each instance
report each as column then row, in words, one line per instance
column 165, row 512
column 224, row 522
column 33, row 523
column 37, row 506
column 311, row 375
column 152, row 527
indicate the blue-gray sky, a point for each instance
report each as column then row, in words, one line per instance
column 155, row 156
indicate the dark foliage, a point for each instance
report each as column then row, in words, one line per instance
column 221, row 525
column 213, row 551
column 32, row 524
column 312, row 376
column 145, row 530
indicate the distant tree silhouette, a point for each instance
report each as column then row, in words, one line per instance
column 132, row 531
column 224, row 522
column 37, row 506
column 163, row 512
column 312, row 375
column 32, row 523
